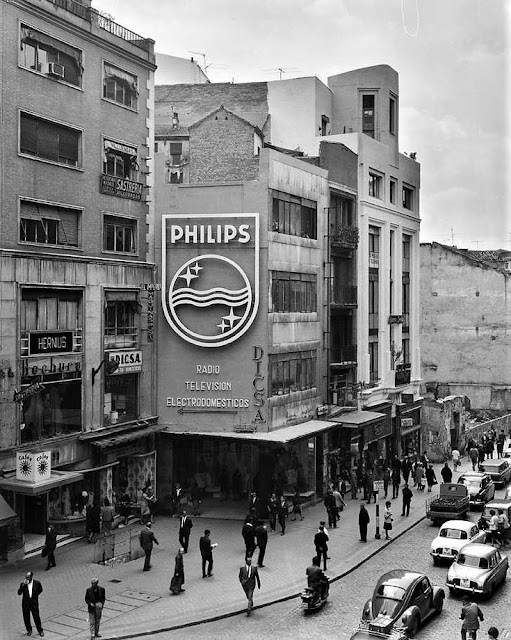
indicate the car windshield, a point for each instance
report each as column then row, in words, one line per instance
column 455, row 534
column 472, row 561
column 470, row 482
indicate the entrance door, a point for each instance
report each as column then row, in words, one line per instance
column 34, row 513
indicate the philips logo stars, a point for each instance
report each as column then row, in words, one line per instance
column 210, row 299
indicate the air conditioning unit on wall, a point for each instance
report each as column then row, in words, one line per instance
column 51, row 68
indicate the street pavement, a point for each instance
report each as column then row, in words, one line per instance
column 140, row 604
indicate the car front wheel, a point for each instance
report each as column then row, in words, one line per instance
column 412, row 627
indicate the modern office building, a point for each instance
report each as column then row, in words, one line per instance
column 77, row 402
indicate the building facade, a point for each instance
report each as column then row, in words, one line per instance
column 76, row 262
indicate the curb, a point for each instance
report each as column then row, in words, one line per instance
column 230, row 614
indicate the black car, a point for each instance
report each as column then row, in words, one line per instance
column 499, row 470
column 480, row 487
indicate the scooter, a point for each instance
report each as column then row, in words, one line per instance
column 312, row 600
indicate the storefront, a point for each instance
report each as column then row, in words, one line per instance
column 370, row 432
column 11, row 538
column 409, row 418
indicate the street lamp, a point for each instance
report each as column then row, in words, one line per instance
column 110, row 367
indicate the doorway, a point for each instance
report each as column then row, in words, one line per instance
column 34, row 513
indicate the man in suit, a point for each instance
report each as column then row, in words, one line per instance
column 50, row 543
column 185, row 527
column 206, row 551
column 363, row 521
column 321, row 544
column 248, row 533
column 261, row 534
column 31, row 589
column 95, row 600
column 248, row 577
column 147, row 538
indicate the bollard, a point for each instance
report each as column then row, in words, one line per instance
column 377, row 535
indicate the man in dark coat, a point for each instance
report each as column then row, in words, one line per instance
column 185, row 527
column 396, row 481
column 206, row 551
column 407, row 499
column 446, row 473
column 331, row 509
column 178, row 579
column 261, row 534
column 248, row 533
column 31, row 589
column 321, row 544
column 273, row 507
column 248, row 576
column 147, row 538
column 316, row 579
column 363, row 521
column 95, row 599
column 282, row 513
column 50, row 543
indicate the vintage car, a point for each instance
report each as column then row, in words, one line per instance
column 496, row 504
column 453, row 535
column 480, row 487
column 478, row 568
column 498, row 469
column 507, row 449
column 402, row 601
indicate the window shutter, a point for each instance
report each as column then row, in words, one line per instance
column 68, row 144
column 28, row 138
column 68, row 227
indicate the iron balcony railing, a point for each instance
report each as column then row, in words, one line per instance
column 345, row 355
column 343, row 295
column 344, row 236
column 103, row 22
column 120, row 337
column 403, row 374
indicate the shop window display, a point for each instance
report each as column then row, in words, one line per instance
column 121, row 398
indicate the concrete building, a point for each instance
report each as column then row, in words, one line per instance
column 362, row 335
column 77, row 402
column 466, row 314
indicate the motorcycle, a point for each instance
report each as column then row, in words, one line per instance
column 312, row 599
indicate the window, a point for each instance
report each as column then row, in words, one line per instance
column 375, row 185
column 293, row 292
column 121, row 316
column 374, row 247
column 120, row 160
column 325, row 120
column 392, row 115
column 294, row 216
column 407, row 197
column 175, row 152
column 119, row 234
column 368, row 114
column 373, row 361
column 374, row 302
column 393, row 191
column 49, row 56
column 49, row 140
column 293, row 371
column 406, row 350
column 407, row 248
column 121, row 398
column 120, row 86
column 49, row 224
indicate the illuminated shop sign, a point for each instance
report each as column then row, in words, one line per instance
column 210, row 276
column 50, row 342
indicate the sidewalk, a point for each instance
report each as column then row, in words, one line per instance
column 139, row 604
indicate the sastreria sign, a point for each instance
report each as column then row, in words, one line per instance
column 210, row 273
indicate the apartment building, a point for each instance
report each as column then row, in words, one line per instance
column 77, row 333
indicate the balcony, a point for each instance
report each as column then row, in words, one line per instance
column 345, row 356
column 343, row 236
column 120, row 337
column 120, row 187
column 403, row 374
column 343, row 295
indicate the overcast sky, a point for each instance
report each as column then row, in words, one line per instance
column 451, row 56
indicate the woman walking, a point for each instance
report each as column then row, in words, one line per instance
column 430, row 477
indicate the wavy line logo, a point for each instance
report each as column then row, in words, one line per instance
column 210, row 300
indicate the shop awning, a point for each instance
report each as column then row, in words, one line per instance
column 7, row 515
column 57, row 479
column 354, row 419
column 279, row 436
column 405, row 432
column 129, row 436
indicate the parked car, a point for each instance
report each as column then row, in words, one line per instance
column 402, row 601
column 498, row 469
column 451, row 502
column 508, row 494
column 478, row 568
column 497, row 503
column 480, row 487
column 507, row 449
column 453, row 536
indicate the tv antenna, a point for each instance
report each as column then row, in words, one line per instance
column 477, row 243
column 198, row 53
column 281, row 70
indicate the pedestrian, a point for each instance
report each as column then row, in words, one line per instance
column 146, row 500
column 30, row 590
column 504, row 527
column 178, row 579
column 248, row 533
column 419, row 475
column 321, row 544
column 261, row 533
column 473, row 454
column 297, row 508
column 50, row 544
column 195, row 498
column 255, row 503
column 396, row 481
column 248, row 578
column 369, row 487
column 493, row 528
column 339, row 504
column 147, row 541
column 176, row 497
column 107, row 516
column 456, row 458
column 206, row 550
column 93, row 521
column 124, row 508
column 363, row 521
column 470, row 614
column 493, row 633
column 501, row 438
column 407, row 499
column 185, row 528
column 446, row 473
column 387, row 520
column 272, row 511
column 95, row 599
column 406, row 467
column 430, row 477
column 481, row 452
column 282, row 514
column 386, row 480
column 152, row 502
column 329, row 503
column 489, row 448
column 353, row 484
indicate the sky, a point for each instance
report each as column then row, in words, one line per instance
column 452, row 60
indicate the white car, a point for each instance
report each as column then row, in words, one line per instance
column 452, row 536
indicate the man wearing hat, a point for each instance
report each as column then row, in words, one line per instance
column 95, row 600
column 470, row 614
column 147, row 538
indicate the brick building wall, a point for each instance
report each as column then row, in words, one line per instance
column 222, row 149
